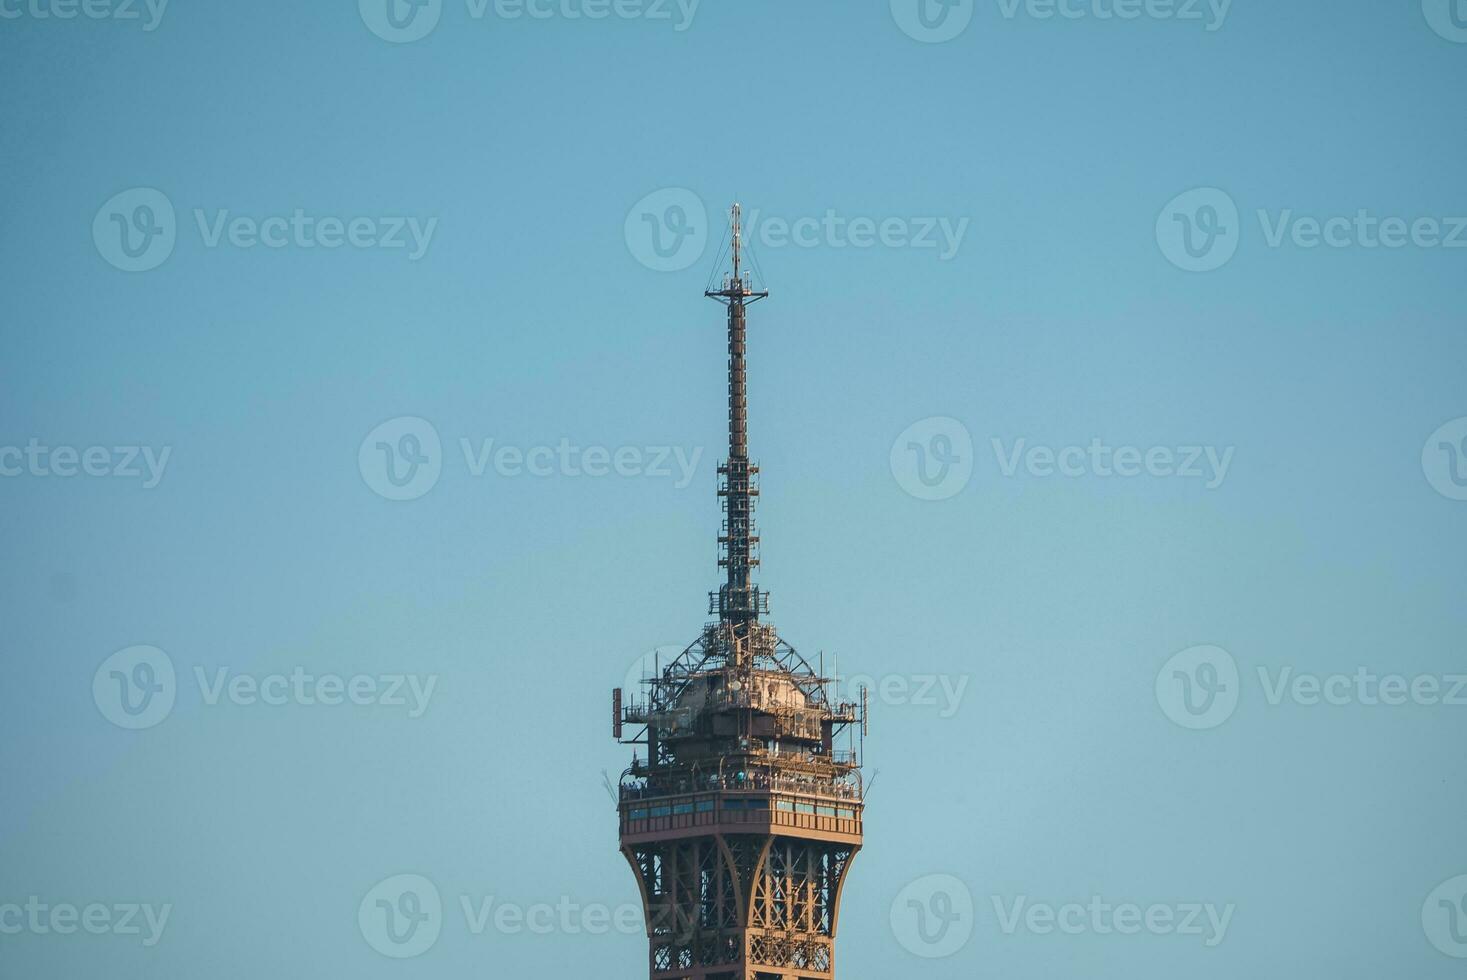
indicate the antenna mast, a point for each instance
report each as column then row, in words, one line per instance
column 738, row 601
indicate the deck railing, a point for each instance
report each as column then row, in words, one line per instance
column 794, row 810
column 755, row 782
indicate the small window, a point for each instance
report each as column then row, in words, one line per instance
column 704, row 806
column 661, row 811
column 785, row 805
column 825, row 811
column 845, row 814
column 804, row 808
column 681, row 808
column 637, row 813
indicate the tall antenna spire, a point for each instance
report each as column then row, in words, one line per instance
column 738, row 601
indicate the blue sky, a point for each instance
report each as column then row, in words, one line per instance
column 529, row 315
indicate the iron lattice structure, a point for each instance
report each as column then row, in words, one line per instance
column 741, row 820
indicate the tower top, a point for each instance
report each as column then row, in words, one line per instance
column 737, row 285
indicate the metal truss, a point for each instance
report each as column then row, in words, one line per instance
column 740, row 905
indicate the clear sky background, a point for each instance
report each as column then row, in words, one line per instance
column 1057, row 775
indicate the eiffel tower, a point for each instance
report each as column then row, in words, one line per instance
column 741, row 819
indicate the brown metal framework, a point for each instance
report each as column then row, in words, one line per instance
column 741, row 821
